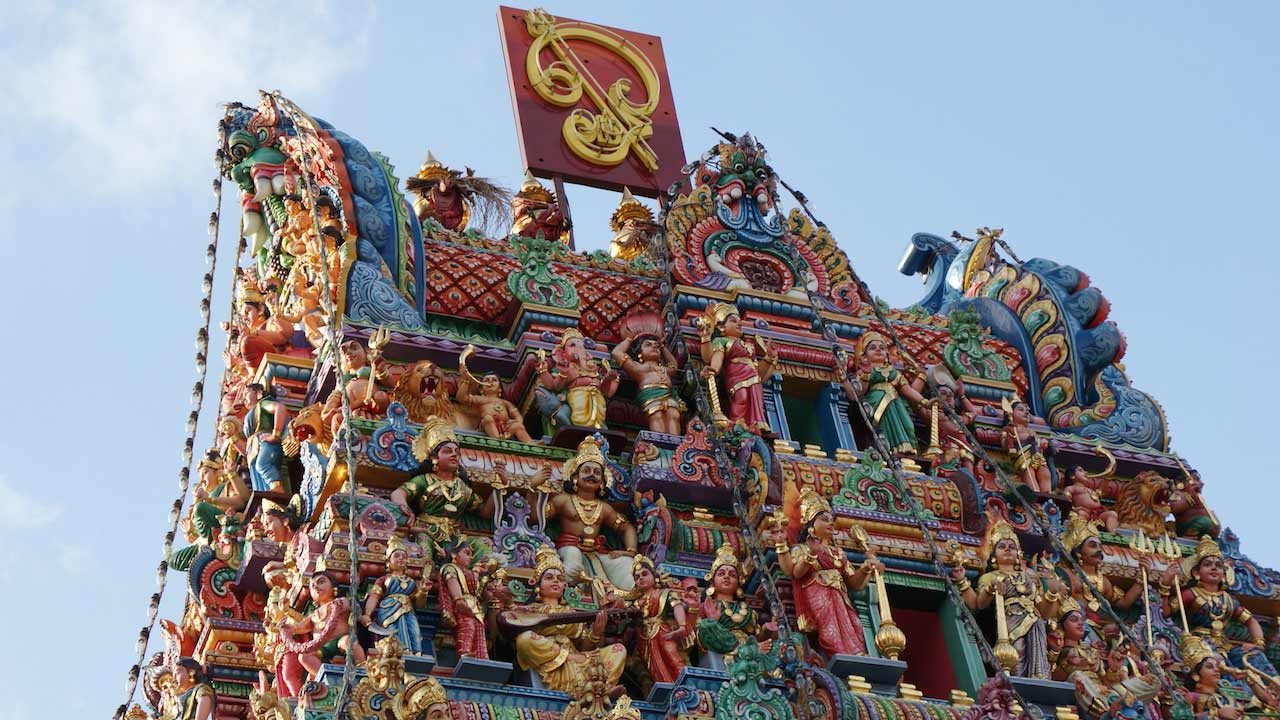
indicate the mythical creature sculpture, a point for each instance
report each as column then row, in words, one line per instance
column 649, row 363
column 450, row 197
column 732, row 362
column 822, row 577
column 1022, row 603
column 583, row 514
column 1144, row 502
column 575, row 389
column 265, row 703
column 424, row 392
column 536, row 213
column 393, row 597
column 965, row 354
column 562, row 653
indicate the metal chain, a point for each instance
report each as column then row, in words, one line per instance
column 336, row 332
column 188, row 447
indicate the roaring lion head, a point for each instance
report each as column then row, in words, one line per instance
column 424, row 392
column 1144, row 502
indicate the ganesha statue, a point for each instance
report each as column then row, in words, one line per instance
column 575, row 387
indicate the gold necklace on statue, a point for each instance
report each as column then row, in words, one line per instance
column 589, row 512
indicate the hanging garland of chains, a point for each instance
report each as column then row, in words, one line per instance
column 1005, row 482
column 188, row 444
column 346, row 435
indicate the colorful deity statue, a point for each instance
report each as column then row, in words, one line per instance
column 535, row 212
column 1085, row 491
column 822, row 577
column 1082, row 539
column 1025, row 447
column 424, row 391
column 450, row 197
column 740, row 367
column 886, row 390
column 581, row 386
column 265, row 420
column 1101, row 677
column 368, row 384
column 950, row 434
column 193, row 695
column 260, row 331
column 666, row 631
column 217, row 492
column 1205, row 668
column 439, row 494
column 726, row 619
column 562, row 655
column 633, row 226
column 327, row 636
column 1209, row 608
column 462, row 602
column 482, row 398
column 391, row 600
column 651, row 365
column 1192, row 518
column 1022, row 602
column 584, row 514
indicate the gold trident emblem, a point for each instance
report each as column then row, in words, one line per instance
column 621, row 126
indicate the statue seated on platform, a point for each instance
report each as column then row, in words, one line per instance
column 583, row 515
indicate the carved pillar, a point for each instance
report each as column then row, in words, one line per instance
column 774, row 412
column 833, row 419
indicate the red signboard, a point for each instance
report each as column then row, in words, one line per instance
column 593, row 104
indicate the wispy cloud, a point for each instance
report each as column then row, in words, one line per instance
column 22, row 511
column 125, row 96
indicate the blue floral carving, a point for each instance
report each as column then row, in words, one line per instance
column 392, row 444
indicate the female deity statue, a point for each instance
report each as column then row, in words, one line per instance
column 440, row 492
column 1081, row 662
column 653, row 368
column 265, row 421
column 821, row 580
column 390, row 603
column 1025, row 447
column 727, row 620
column 580, row 379
column 1209, row 608
column 461, row 603
column 886, row 391
column 328, row 636
column 562, row 655
column 1018, row 591
column 195, row 699
column 219, row 491
column 734, row 362
column 665, row 632
column 1204, row 673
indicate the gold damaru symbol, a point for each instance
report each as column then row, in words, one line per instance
column 621, row 126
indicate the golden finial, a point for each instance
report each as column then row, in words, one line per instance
column 629, row 209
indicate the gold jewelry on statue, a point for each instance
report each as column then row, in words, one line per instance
column 811, row 505
column 546, row 559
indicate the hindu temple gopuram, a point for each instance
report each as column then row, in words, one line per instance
column 462, row 470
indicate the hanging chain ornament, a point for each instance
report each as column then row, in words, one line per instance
column 346, row 436
column 188, row 445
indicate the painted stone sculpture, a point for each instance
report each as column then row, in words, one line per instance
column 738, row 366
column 583, row 514
column 575, row 388
column 391, row 600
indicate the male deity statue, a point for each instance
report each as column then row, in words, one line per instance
column 583, row 514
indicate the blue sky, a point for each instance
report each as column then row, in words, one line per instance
column 1134, row 140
